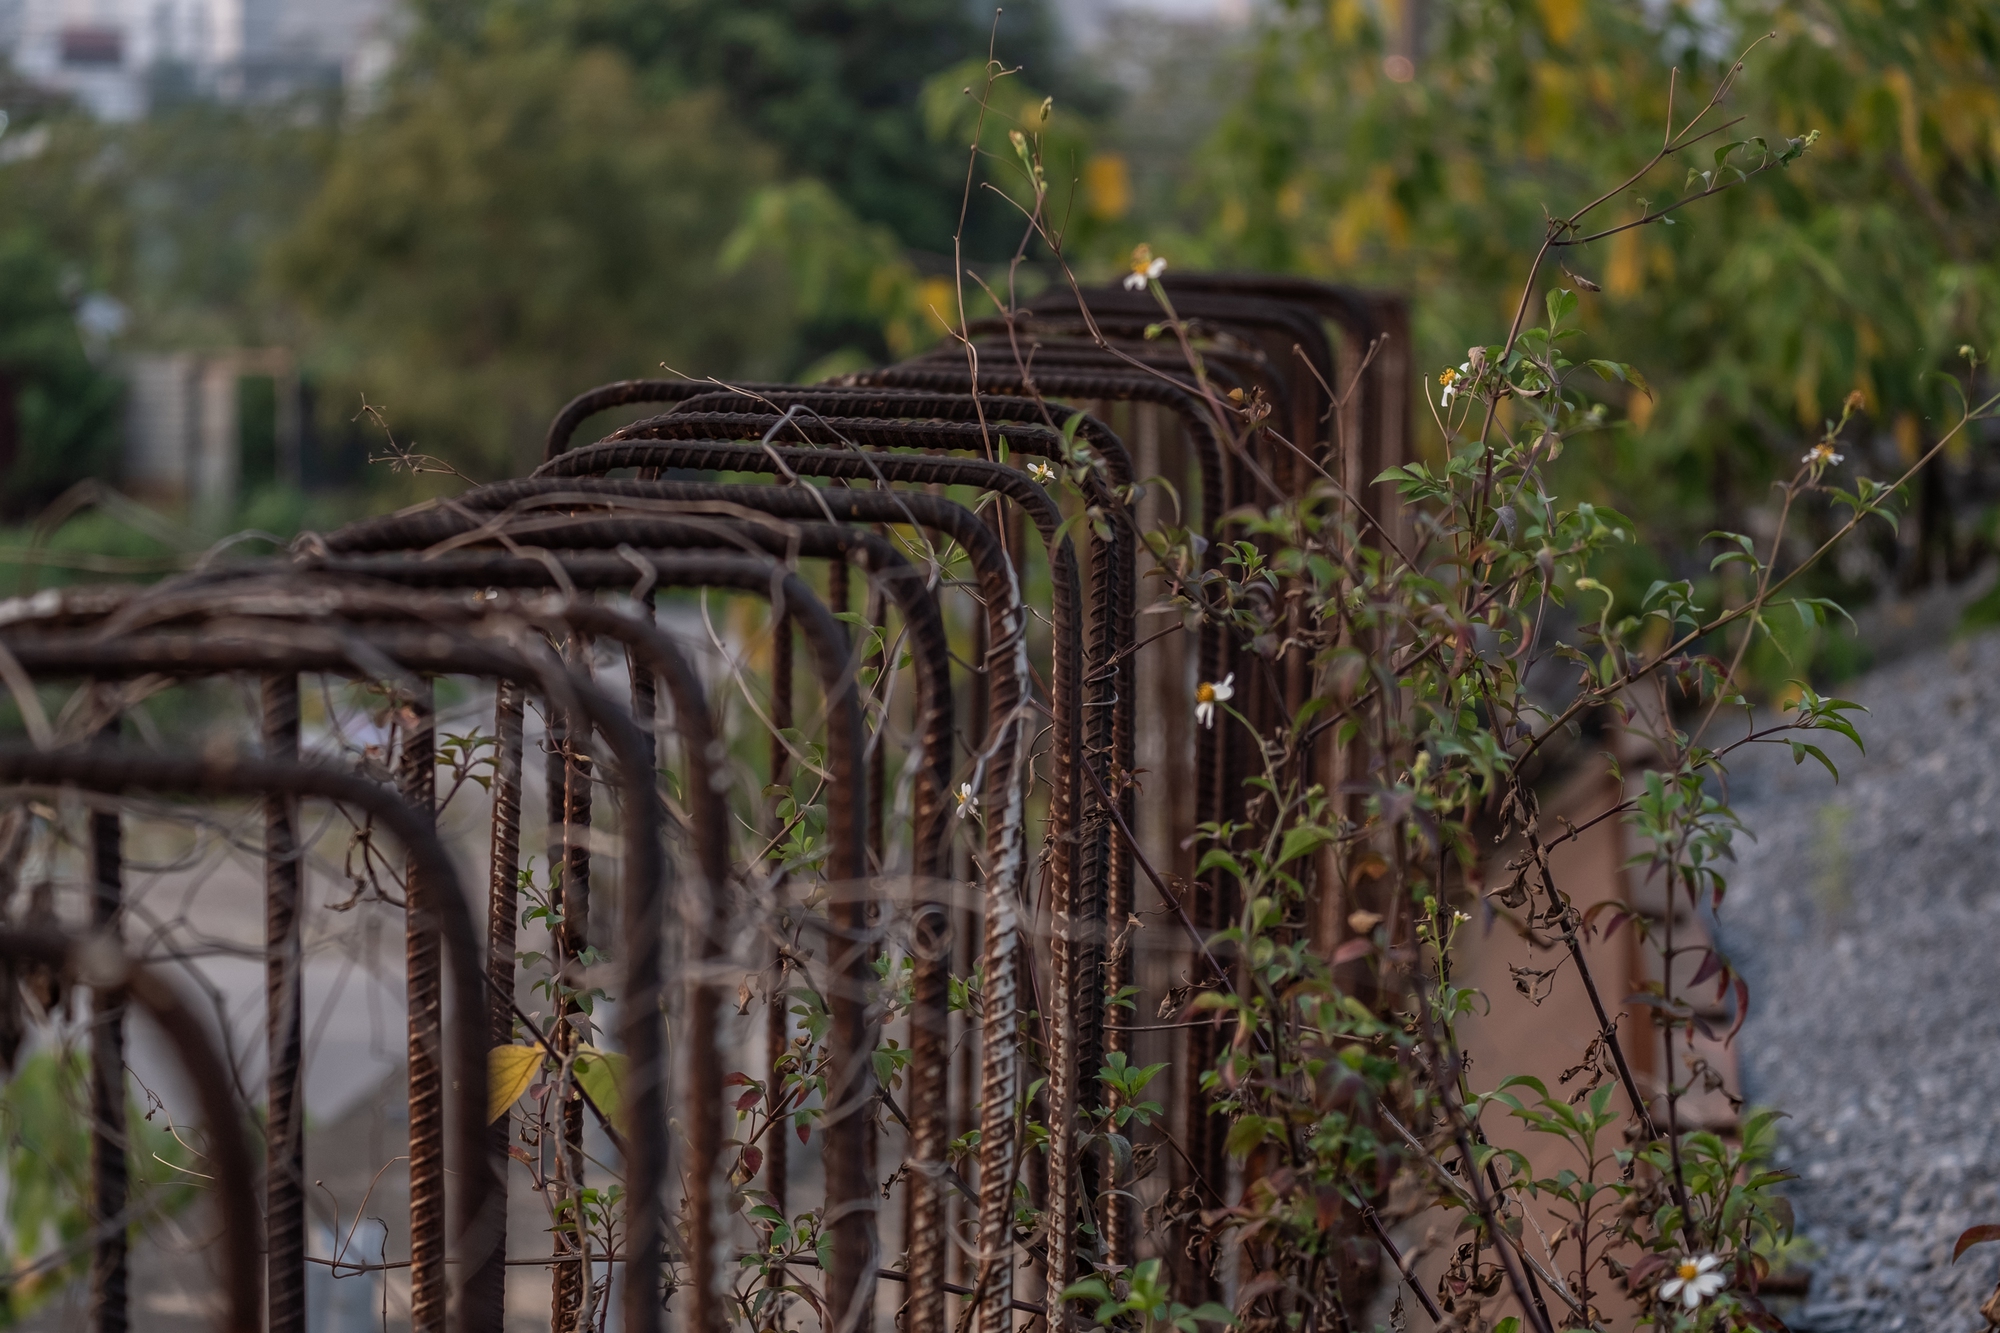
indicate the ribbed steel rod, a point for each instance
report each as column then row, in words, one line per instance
column 284, row 1106
column 486, row 1290
column 424, row 984
column 109, row 1167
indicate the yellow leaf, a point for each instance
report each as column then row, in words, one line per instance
column 602, row 1076
column 509, row 1071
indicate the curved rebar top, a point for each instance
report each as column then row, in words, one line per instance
column 311, row 591
column 625, row 393
column 1355, row 309
column 110, row 769
column 580, row 546
column 593, row 460
column 1120, row 384
column 99, row 962
column 1225, row 372
column 1221, row 308
column 920, row 406
column 836, row 432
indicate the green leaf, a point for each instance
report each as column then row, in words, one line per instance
column 1526, row 1081
column 1089, row 1289
column 1245, row 1135
column 1800, row 750
column 602, row 1075
column 1219, row 856
column 1209, row 1312
column 1303, row 840
column 1561, row 304
column 1069, row 429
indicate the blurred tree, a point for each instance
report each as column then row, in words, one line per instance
column 58, row 409
column 834, row 85
column 208, row 189
column 1421, row 145
column 120, row 236
column 510, row 226
column 174, row 214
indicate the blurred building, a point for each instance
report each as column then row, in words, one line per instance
column 119, row 56
column 192, row 433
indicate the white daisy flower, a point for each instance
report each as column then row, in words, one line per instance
column 1041, row 472
column 1695, row 1279
column 1822, row 454
column 1146, row 266
column 1210, row 693
column 967, row 802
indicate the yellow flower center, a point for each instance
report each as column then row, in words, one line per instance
column 1447, row 376
column 1688, row 1271
column 1204, row 693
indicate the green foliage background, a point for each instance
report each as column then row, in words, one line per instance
column 1864, row 267
column 44, row 1112
column 549, row 193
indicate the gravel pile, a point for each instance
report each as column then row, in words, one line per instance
column 1866, row 918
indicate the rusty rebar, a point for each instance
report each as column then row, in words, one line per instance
column 109, row 1169
column 486, row 1289
column 284, row 1106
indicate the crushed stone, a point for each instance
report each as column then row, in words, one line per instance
column 1866, row 918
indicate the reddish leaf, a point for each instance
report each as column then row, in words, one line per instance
column 737, row 1080
column 753, row 1160
column 1353, row 949
column 749, row 1099
column 1709, row 967
column 1742, row 1009
column 1639, row 1274
column 1972, row 1236
column 805, row 1132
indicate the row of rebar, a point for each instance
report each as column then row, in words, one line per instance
column 904, row 475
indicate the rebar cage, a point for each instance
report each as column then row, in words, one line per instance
column 787, row 1013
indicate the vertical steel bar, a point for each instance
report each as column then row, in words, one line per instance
column 108, row 1166
column 1006, row 667
column 424, row 981
column 878, row 759
column 569, row 885
column 777, row 1017
column 284, row 1109
column 486, row 1292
